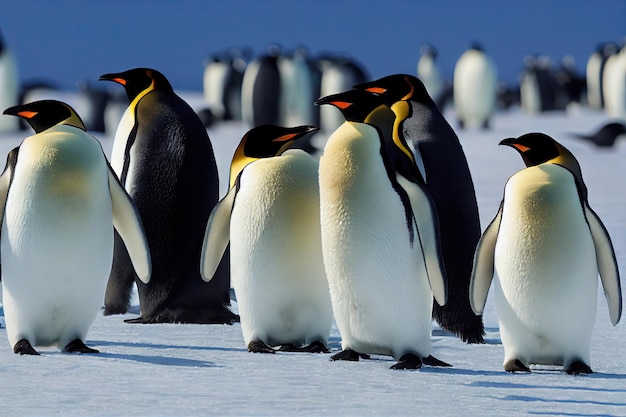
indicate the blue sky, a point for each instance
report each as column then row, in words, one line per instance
column 66, row 41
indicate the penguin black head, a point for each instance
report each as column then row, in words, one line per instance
column 535, row 148
column 264, row 141
column 270, row 140
column 137, row 80
column 538, row 148
column 397, row 87
column 44, row 114
column 355, row 105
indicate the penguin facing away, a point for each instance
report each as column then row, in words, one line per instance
column 545, row 248
column 58, row 186
column 271, row 217
column 380, row 242
column 449, row 181
column 164, row 158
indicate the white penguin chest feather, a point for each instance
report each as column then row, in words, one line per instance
column 544, row 256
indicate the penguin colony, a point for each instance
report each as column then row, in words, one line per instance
column 373, row 232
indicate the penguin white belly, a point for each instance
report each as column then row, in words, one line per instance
column 213, row 82
column 277, row 269
column 428, row 72
column 545, row 263
column 475, row 84
column 126, row 125
column 57, row 240
column 593, row 76
column 614, row 85
column 380, row 294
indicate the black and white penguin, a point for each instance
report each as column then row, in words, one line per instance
column 9, row 86
column 475, row 86
column 379, row 238
column 163, row 156
column 261, row 90
column 221, row 82
column 545, row 248
column 594, row 70
column 339, row 73
column 439, row 155
column 271, row 216
column 60, row 200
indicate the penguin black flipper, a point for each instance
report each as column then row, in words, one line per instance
column 5, row 182
column 607, row 264
column 427, row 232
column 483, row 268
column 217, row 235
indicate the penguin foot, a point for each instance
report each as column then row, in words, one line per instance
column 137, row 320
column 409, row 361
column 578, row 367
column 78, row 346
column 432, row 361
column 258, row 346
column 111, row 310
column 349, row 355
column 220, row 315
column 23, row 347
column 515, row 365
column 315, row 347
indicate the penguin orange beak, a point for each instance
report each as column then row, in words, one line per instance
column 113, row 77
column 511, row 142
column 17, row 111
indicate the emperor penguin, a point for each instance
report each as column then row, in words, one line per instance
column 339, row 73
column 379, row 240
column 428, row 72
column 439, row 155
column 594, row 70
column 221, row 82
column 164, row 158
column 261, row 90
column 614, row 85
column 475, row 86
column 545, row 248
column 9, row 86
column 296, row 88
column 271, row 216
column 60, row 201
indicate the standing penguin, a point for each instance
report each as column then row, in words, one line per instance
column 614, row 85
column 271, row 217
column 261, row 90
column 9, row 86
column 58, row 187
column 594, row 70
column 475, row 87
column 379, row 239
column 164, row 158
column 448, row 179
column 429, row 73
column 546, row 247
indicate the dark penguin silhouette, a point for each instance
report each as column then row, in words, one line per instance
column 606, row 136
column 164, row 158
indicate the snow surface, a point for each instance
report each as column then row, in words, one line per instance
column 165, row 369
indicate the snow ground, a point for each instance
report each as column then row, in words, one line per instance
column 154, row 370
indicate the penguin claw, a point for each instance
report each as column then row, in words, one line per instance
column 515, row 365
column 78, row 346
column 578, row 367
column 409, row 361
column 258, row 346
column 23, row 347
column 432, row 361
